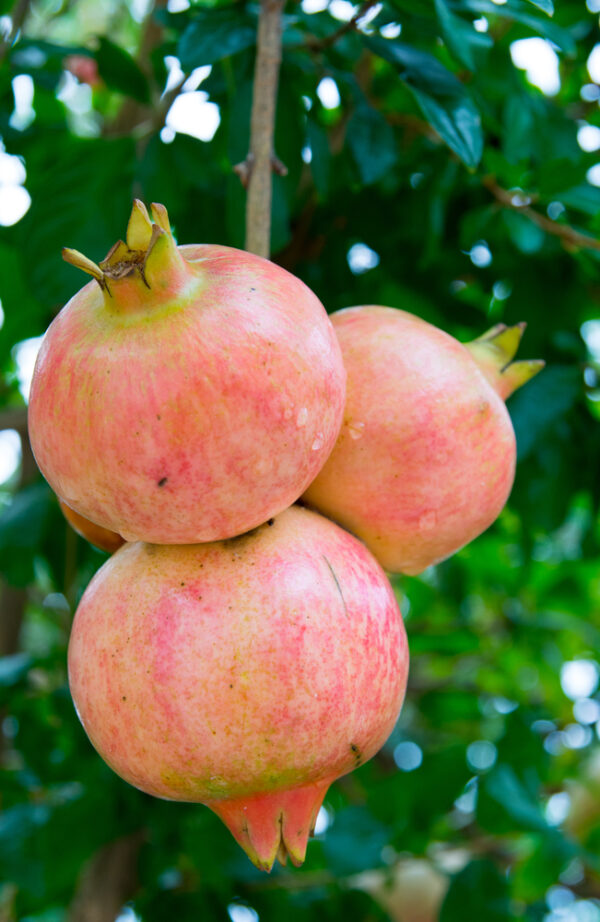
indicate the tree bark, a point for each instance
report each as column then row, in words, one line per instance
column 262, row 128
column 107, row 881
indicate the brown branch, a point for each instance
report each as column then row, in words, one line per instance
column 18, row 16
column 571, row 238
column 14, row 418
column 12, row 606
column 133, row 116
column 108, row 881
column 262, row 128
column 319, row 44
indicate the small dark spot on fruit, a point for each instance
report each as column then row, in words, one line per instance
column 162, row 481
column 230, row 685
column 158, row 415
column 271, row 522
column 357, row 754
column 182, row 584
column 253, row 289
column 124, row 698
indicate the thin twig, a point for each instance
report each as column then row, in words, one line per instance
column 107, row 881
column 319, row 44
column 262, row 128
column 572, row 239
column 133, row 117
column 15, row 418
column 17, row 16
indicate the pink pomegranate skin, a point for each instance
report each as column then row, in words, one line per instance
column 191, row 404
column 246, row 674
column 425, row 459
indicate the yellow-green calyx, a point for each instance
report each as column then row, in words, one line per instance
column 494, row 352
column 148, row 259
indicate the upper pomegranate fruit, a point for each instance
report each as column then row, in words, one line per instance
column 188, row 393
column 425, row 458
column 246, row 674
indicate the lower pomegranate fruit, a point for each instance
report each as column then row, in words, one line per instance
column 246, row 674
column 425, row 458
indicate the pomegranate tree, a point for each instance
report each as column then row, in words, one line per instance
column 425, row 458
column 187, row 393
column 246, row 674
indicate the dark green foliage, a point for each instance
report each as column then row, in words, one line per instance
column 435, row 131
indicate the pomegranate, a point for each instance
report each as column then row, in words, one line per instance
column 84, row 68
column 246, row 675
column 188, row 393
column 425, row 458
column 100, row 537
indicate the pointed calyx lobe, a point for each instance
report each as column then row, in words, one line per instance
column 274, row 825
column 494, row 352
column 145, row 269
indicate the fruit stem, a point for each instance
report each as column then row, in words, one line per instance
column 494, row 352
column 148, row 269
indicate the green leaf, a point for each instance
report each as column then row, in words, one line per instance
column 479, row 891
column 460, row 36
column 22, row 527
column 547, row 6
column 321, row 156
column 503, row 785
column 355, row 840
column 526, row 236
column 585, row 198
column 372, row 143
column 24, row 315
column 519, row 12
column 120, row 72
column 13, row 668
column 214, row 35
column 458, row 124
column 443, row 99
column 541, row 403
column 22, row 522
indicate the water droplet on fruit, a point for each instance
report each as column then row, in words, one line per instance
column 356, row 430
column 427, row 521
column 318, row 442
column 302, row 417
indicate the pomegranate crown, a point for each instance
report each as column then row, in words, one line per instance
column 494, row 352
column 149, row 251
